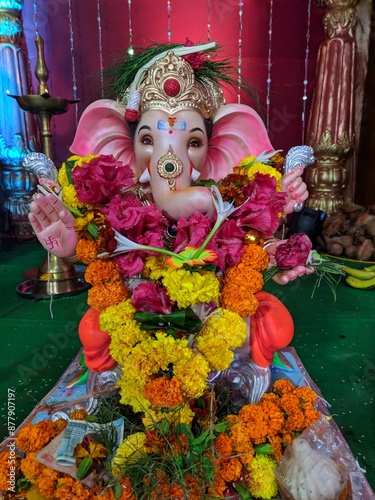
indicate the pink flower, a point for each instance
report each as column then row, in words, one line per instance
column 261, row 210
column 294, row 252
column 102, row 178
column 151, row 297
column 228, row 244
column 195, row 60
column 192, row 232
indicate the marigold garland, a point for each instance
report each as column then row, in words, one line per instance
column 255, row 256
column 108, row 294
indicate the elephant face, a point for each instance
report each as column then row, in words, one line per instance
column 171, row 151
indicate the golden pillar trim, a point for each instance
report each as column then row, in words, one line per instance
column 331, row 124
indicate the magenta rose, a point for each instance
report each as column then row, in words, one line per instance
column 294, row 252
column 195, row 60
column 151, row 297
column 98, row 181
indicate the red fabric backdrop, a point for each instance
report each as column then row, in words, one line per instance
column 149, row 19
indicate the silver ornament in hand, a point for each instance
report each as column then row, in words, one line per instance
column 301, row 156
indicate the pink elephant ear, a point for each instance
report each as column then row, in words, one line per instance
column 238, row 131
column 102, row 129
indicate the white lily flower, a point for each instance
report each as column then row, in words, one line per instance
column 265, row 155
column 223, row 208
column 124, row 245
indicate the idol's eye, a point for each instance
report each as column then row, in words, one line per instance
column 195, row 143
column 147, row 140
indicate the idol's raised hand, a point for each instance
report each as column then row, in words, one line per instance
column 53, row 225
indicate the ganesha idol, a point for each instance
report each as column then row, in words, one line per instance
column 172, row 126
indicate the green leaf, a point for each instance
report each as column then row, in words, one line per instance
column 117, row 490
column 185, row 320
column 69, row 165
column 264, row 449
column 93, row 230
column 242, row 491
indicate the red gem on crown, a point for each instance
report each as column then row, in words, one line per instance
column 172, row 87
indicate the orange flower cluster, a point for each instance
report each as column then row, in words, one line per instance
column 86, row 250
column 33, row 437
column 164, row 489
column 255, row 257
column 108, row 288
column 156, row 443
column 243, row 281
column 6, row 460
column 276, row 419
column 164, row 392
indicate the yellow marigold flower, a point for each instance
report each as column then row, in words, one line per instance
column 69, row 197
column 255, row 257
column 131, row 392
column 81, row 223
column 229, row 326
column 251, row 169
column 130, row 450
column 192, row 372
column 80, row 160
column 188, row 289
column 261, row 479
column 238, row 299
column 154, row 267
column 114, row 317
column 215, row 350
column 182, row 415
column 62, row 177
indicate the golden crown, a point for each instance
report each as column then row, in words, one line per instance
column 171, row 85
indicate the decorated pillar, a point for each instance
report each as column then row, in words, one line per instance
column 331, row 124
column 18, row 130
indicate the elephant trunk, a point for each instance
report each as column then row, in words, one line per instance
column 170, row 181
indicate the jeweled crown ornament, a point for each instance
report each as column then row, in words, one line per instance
column 171, row 86
column 169, row 83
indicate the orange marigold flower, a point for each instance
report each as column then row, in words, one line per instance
column 274, row 417
column 30, row 467
column 283, row 386
column 78, row 414
column 245, row 276
column 60, row 424
column 223, row 445
column 164, row 392
column 5, row 462
column 230, row 469
column 99, row 272
column 241, row 438
column 238, row 299
column 306, row 396
column 68, row 488
column 46, row 482
column 87, row 250
column 272, row 398
column 218, row 487
column 102, row 296
column 276, row 442
column 310, row 416
column 33, row 437
column 255, row 257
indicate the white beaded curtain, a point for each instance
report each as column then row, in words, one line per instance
column 83, row 38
